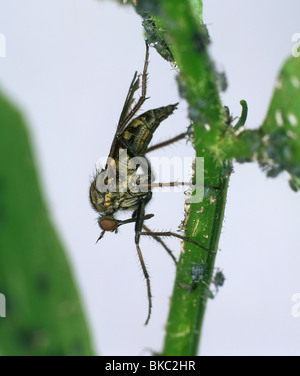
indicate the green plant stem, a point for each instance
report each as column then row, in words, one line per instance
column 189, row 299
column 188, row 40
column 275, row 145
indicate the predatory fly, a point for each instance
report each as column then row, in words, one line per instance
column 112, row 189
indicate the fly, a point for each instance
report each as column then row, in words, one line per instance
column 118, row 186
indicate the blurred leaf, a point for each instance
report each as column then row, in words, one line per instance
column 282, row 124
column 44, row 314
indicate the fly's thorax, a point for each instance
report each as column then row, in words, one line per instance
column 115, row 201
column 119, row 177
column 108, row 203
column 102, row 194
column 95, row 196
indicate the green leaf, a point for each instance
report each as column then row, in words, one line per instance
column 281, row 127
column 44, row 314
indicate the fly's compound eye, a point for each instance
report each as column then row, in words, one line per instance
column 107, row 224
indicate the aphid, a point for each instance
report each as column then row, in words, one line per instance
column 156, row 39
column 218, row 279
column 118, row 186
column 196, row 271
column 197, row 274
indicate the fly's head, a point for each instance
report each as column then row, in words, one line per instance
column 111, row 224
column 107, row 223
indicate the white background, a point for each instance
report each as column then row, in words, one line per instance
column 69, row 64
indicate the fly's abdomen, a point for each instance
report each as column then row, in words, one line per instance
column 140, row 130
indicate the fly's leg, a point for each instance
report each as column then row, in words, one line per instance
column 147, row 281
column 161, row 185
column 162, row 244
column 166, row 143
column 140, row 215
column 174, row 184
column 175, row 235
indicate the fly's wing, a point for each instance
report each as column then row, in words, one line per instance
column 134, row 86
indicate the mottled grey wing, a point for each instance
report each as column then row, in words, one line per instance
column 135, row 84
